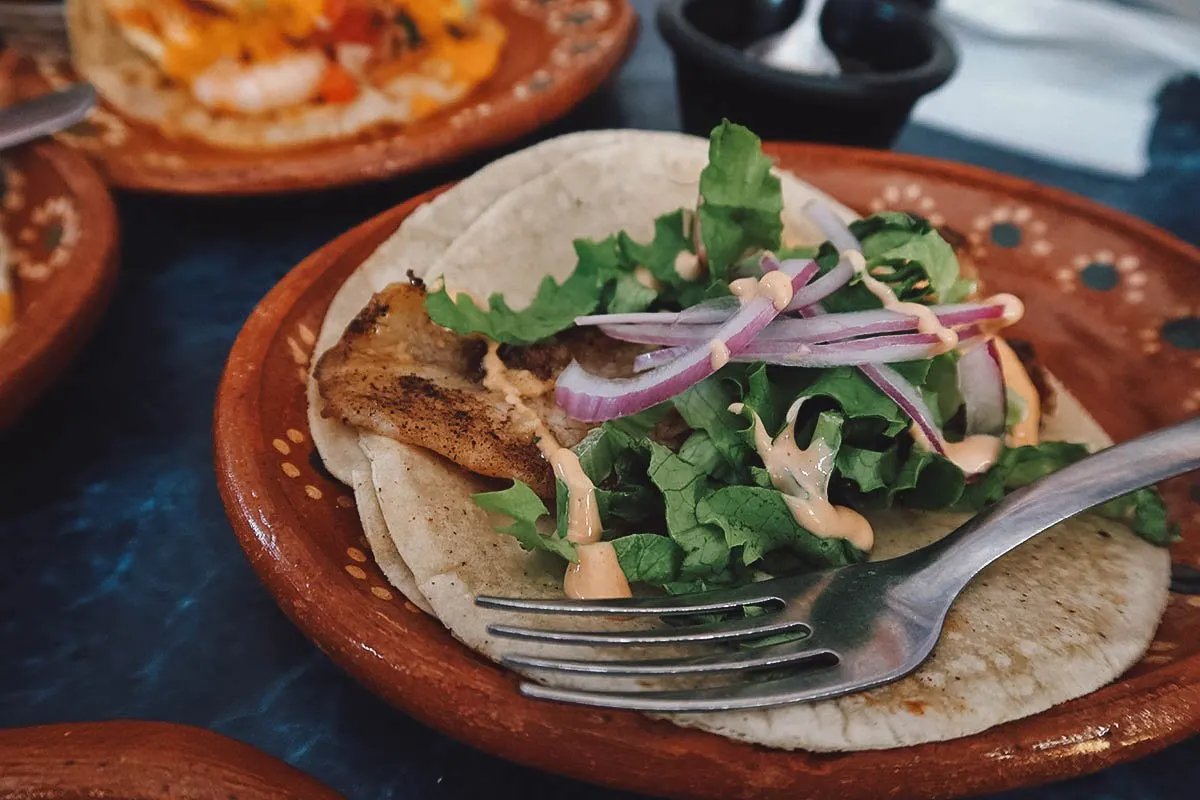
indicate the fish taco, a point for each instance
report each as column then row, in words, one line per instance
column 261, row 74
column 623, row 362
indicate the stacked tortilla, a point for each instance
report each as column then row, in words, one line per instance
column 1056, row 619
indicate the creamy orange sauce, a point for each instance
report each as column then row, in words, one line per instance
column 1027, row 430
column 775, row 285
column 598, row 574
column 1014, row 310
column 687, row 265
column 646, row 278
column 802, row 478
column 718, row 353
column 583, row 518
column 973, row 455
column 927, row 321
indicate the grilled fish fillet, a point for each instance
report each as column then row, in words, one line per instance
column 397, row 374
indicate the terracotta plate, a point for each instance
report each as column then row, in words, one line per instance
column 62, row 233
column 558, row 52
column 1114, row 310
column 143, row 761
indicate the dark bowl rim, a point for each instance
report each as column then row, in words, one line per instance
column 686, row 39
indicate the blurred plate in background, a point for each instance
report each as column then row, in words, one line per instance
column 60, row 237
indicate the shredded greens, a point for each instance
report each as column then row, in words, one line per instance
column 703, row 513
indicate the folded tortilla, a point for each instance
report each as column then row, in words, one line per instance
column 1054, row 620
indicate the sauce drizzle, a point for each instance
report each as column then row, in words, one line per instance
column 776, row 285
column 927, row 321
column 598, row 574
column 1026, row 430
column 802, row 478
column 718, row 354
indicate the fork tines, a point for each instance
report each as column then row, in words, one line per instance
column 799, row 647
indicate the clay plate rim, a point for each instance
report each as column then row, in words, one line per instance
column 152, row 162
column 446, row 686
column 134, row 760
column 67, row 307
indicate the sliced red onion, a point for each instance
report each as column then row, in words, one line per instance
column 591, row 398
column 656, row 358
column 901, row 392
column 831, row 226
column 804, row 268
column 890, row 382
column 852, row 353
column 815, row 330
column 717, row 310
column 981, row 381
column 823, row 286
column 905, row 395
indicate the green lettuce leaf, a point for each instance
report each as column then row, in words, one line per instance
column 627, row 295
column 859, row 398
column 741, row 201
column 682, row 485
column 648, row 558
column 927, row 481
column 659, row 255
column 699, row 451
column 705, row 407
column 1144, row 510
column 760, row 522
column 869, row 470
column 616, row 463
column 553, row 309
column 526, row 509
column 894, row 238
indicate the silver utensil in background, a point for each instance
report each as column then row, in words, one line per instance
column 44, row 115
column 799, row 47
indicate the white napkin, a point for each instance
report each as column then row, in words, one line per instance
column 1073, row 81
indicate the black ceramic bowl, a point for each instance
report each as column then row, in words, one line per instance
column 891, row 55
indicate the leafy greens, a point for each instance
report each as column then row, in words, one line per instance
column 704, row 513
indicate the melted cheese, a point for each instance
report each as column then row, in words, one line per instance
column 598, row 574
column 802, row 477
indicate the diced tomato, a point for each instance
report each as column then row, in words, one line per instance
column 334, row 10
column 355, row 24
column 338, row 85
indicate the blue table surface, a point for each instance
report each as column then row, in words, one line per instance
column 123, row 592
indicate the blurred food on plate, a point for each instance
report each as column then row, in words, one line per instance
column 252, row 74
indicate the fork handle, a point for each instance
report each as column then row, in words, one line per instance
column 952, row 562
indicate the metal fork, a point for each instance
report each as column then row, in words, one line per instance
column 867, row 624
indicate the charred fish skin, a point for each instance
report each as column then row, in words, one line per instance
column 398, row 374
